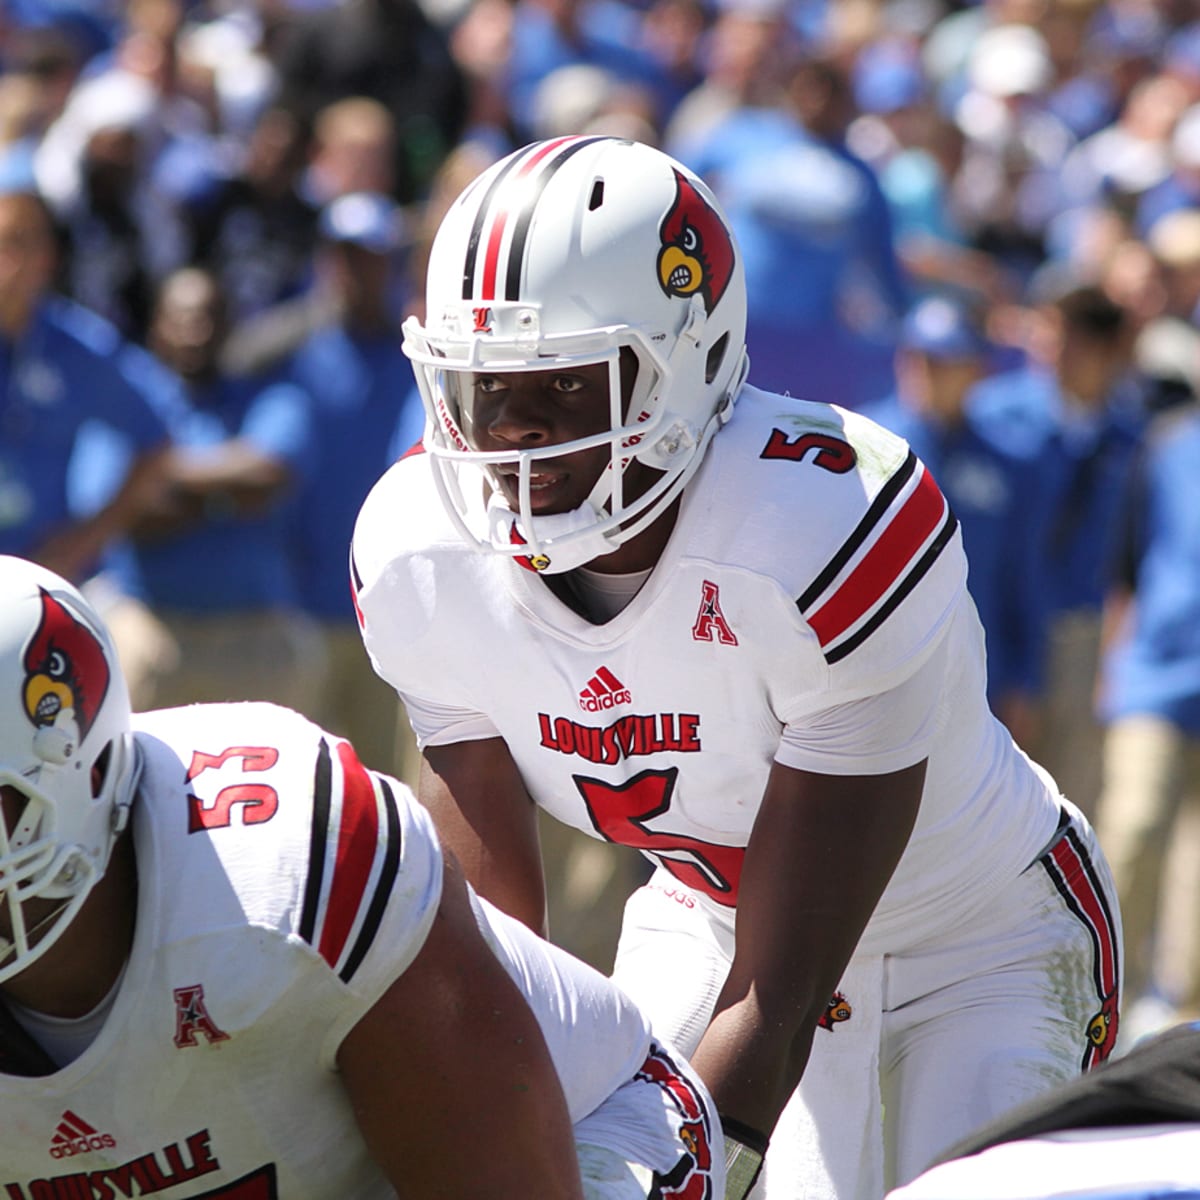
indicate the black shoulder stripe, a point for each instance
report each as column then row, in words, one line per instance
column 862, row 531
column 322, row 793
column 383, row 886
column 906, row 585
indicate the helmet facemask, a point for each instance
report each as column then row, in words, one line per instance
column 68, row 761
column 678, row 396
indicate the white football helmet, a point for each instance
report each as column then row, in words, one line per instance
column 561, row 255
column 67, row 748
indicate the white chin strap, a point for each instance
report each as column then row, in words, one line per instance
column 555, row 544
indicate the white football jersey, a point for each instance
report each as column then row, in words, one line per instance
column 282, row 887
column 810, row 607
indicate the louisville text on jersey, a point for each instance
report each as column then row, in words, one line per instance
column 145, row 1175
column 627, row 737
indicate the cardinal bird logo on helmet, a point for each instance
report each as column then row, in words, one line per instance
column 697, row 252
column 65, row 669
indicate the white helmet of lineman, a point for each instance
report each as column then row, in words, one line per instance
column 560, row 255
column 66, row 748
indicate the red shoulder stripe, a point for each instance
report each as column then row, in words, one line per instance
column 897, row 545
column 357, row 846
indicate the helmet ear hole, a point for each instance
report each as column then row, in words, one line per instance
column 716, row 356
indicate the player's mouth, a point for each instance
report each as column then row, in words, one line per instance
column 547, row 489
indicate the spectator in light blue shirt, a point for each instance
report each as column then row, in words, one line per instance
column 1083, row 410
column 826, row 288
column 63, row 369
column 210, row 608
column 1151, row 699
column 367, row 412
column 943, row 356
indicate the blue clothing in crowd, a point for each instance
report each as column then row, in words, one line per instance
column 826, row 291
column 1156, row 669
column 609, row 36
column 367, row 413
column 1080, row 463
column 70, row 369
column 230, row 562
column 986, row 484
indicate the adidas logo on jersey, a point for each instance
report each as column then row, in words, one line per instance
column 603, row 690
column 75, row 1136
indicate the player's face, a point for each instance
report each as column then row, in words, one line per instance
column 526, row 410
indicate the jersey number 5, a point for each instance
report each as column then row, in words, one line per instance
column 621, row 815
column 831, row 453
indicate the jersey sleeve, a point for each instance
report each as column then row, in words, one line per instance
column 406, row 598
column 374, row 879
column 891, row 576
column 878, row 734
column 440, row 724
column 289, row 835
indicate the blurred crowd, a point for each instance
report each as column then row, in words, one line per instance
column 977, row 222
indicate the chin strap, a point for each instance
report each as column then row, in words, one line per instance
column 745, row 1149
column 575, row 529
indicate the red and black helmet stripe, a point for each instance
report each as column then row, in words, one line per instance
column 481, row 269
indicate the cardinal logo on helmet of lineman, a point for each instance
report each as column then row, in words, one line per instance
column 65, row 669
column 697, row 253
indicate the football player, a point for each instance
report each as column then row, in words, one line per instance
column 732, row 630
column 234, row 963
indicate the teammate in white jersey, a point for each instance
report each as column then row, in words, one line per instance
column 738, row 638
column 233, row 963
